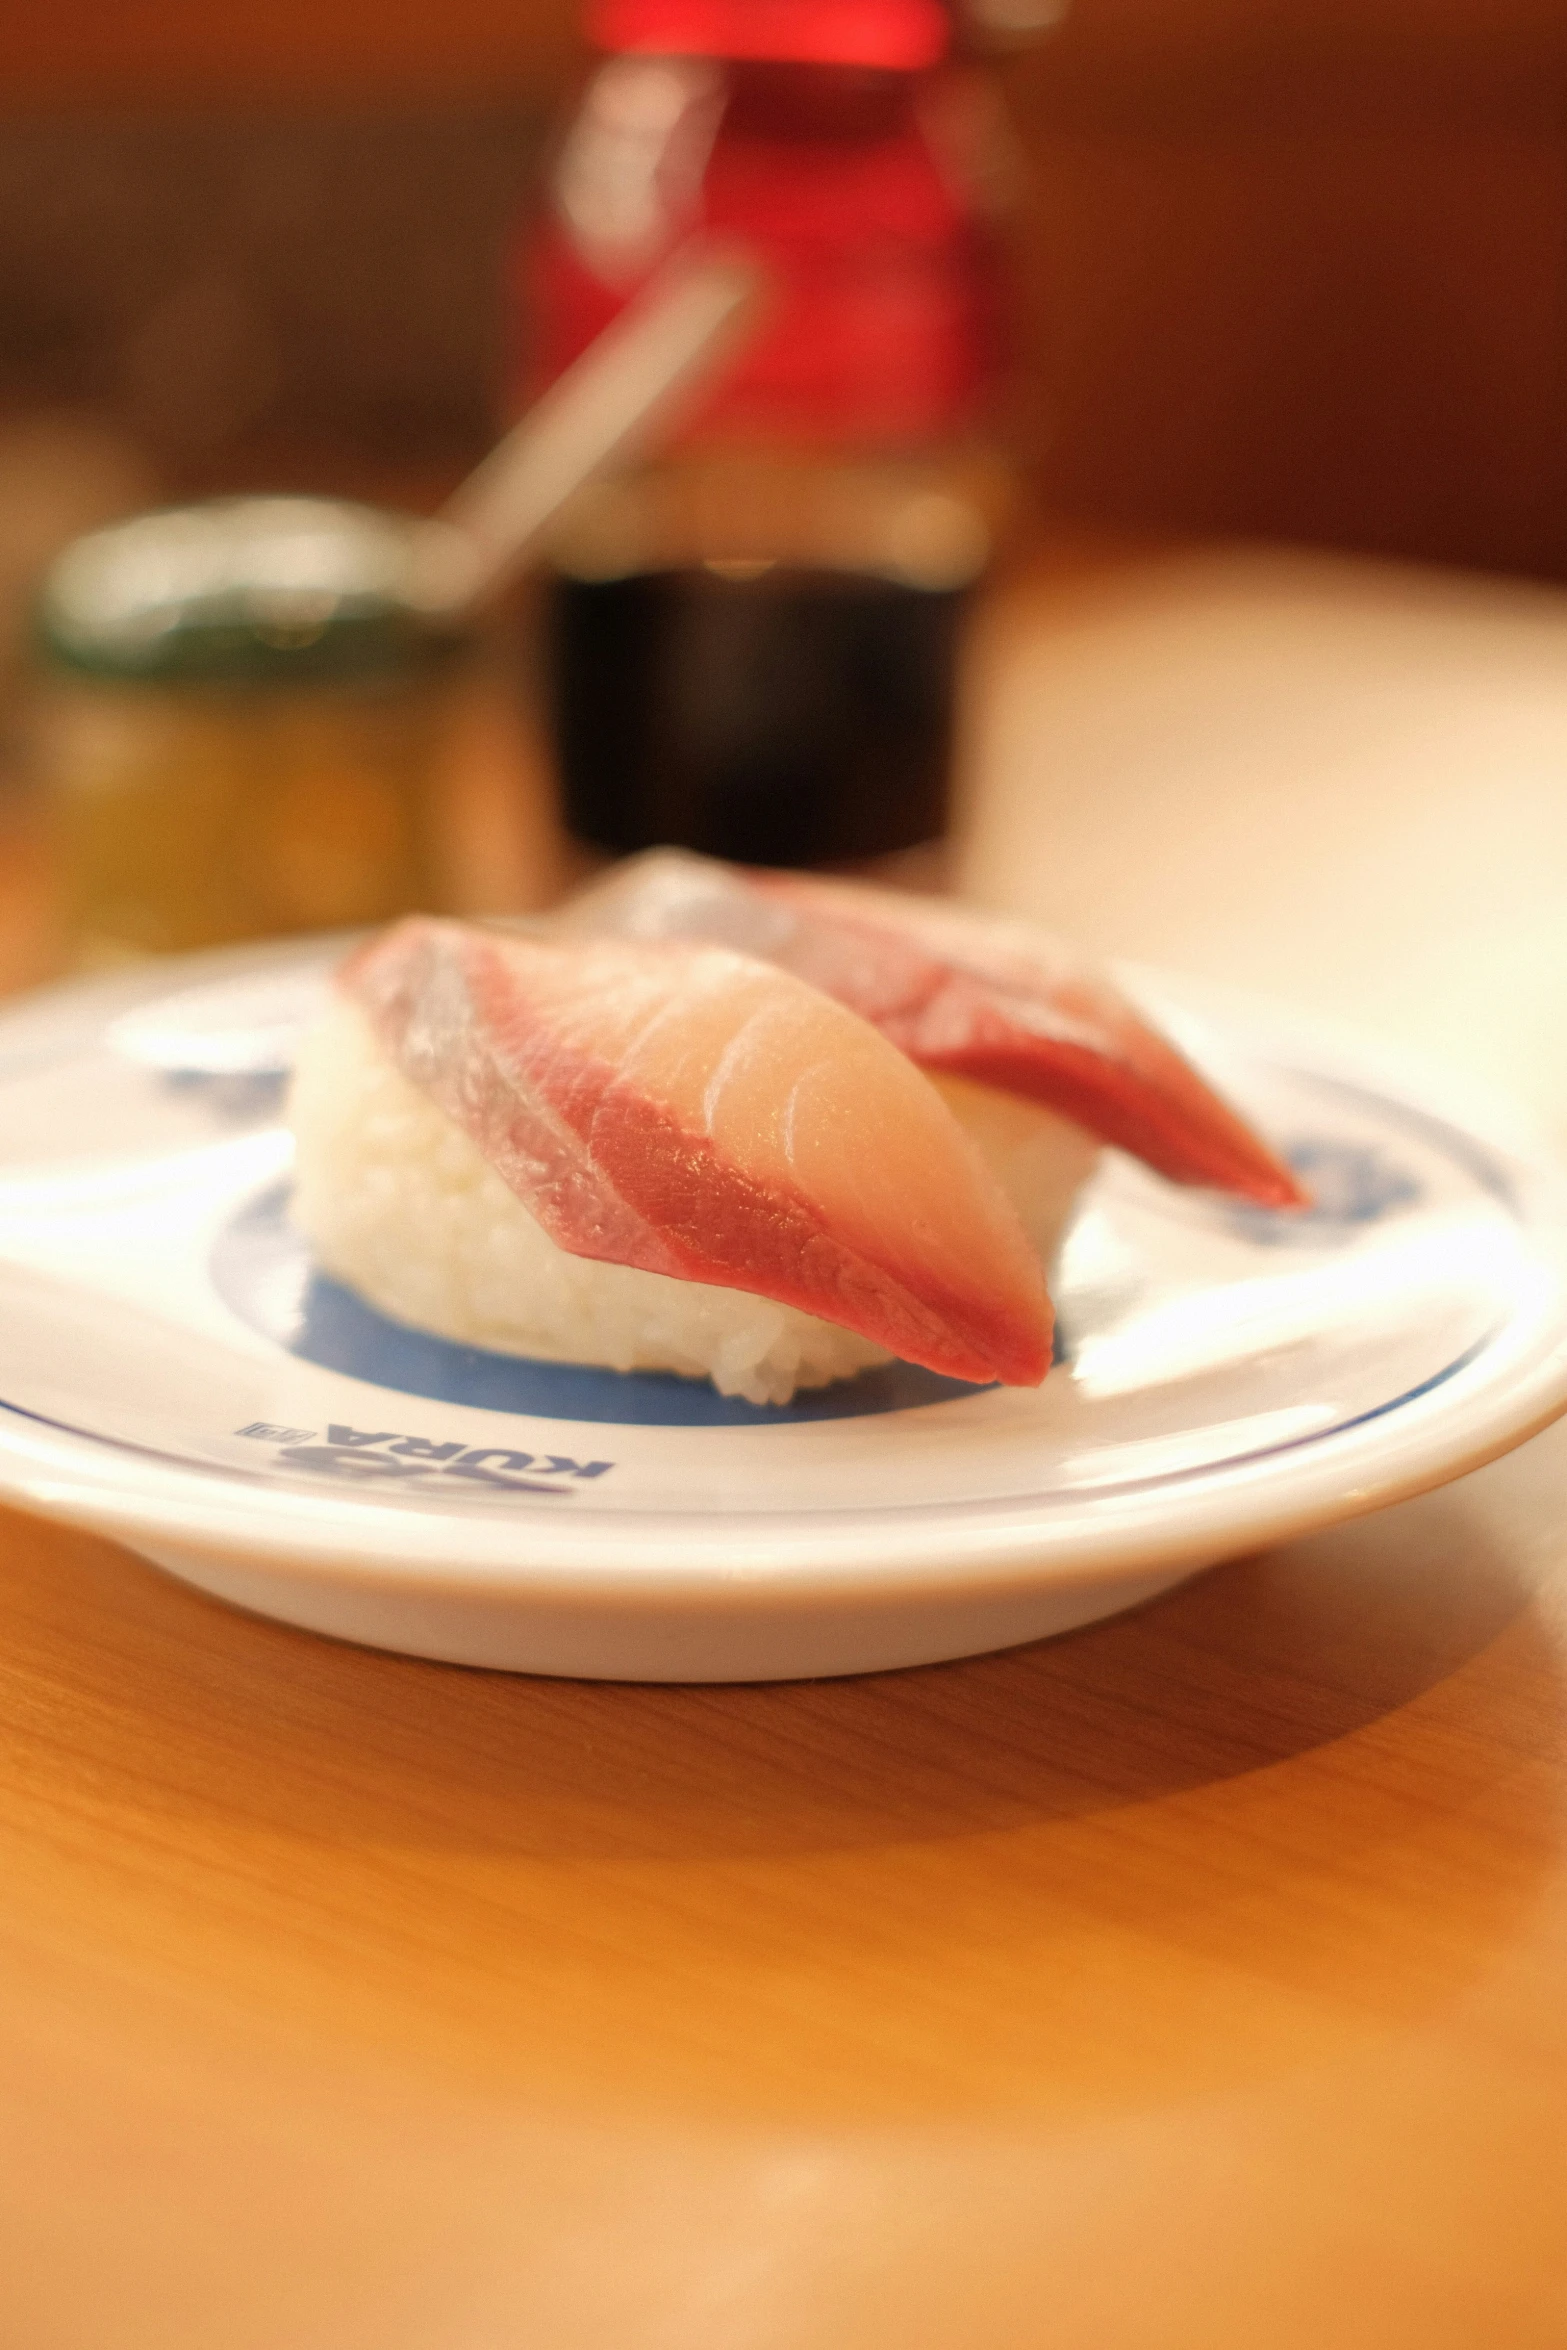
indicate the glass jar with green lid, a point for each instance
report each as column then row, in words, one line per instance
column 241, row 719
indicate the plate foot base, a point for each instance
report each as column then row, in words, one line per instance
column 766, row 1638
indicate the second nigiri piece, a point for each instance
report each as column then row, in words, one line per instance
column 967, row 995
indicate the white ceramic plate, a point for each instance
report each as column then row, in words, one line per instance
column 173, row 1373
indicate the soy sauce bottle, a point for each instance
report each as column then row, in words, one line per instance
column 751, row 645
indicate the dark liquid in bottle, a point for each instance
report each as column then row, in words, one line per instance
column 790, row 718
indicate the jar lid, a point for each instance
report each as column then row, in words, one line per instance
column 249, row 591
column 901, row 36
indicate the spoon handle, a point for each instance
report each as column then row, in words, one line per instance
column 609, row 402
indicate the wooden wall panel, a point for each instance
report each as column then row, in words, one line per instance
column 158, row 50
column 1346, row 338
column 162, row 49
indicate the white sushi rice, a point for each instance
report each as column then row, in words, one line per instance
column 398, row 1203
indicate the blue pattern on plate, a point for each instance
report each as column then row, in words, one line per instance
column 1349, row 1184
column 240, row 1097
column 261, row 1269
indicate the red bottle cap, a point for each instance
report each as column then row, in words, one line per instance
column 902, row 36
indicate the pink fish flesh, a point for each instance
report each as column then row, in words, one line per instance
column 702, row 1114
column 961, row 992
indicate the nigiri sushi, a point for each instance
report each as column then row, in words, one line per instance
column 966, row 995
column 668, row 1156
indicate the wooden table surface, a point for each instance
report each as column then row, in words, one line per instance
column 1196, row 1980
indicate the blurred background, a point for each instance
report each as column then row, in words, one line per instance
column 1294, row 267
column 1276, row 270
